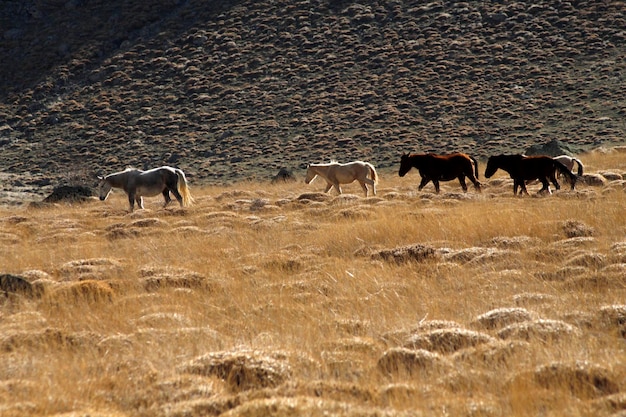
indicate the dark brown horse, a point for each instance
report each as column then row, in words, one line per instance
column 435, row 168
column 523, row 168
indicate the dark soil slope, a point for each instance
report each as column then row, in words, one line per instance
column 229, row 90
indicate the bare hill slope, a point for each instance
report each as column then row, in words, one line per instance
column 229, row 90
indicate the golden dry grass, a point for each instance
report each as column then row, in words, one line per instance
column 274, row 299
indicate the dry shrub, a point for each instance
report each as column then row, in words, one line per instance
column 343, row 365
column 333, row 390
column 614, row 316
column 81, row 292
column 514, row 242
column 614, row 269
column 464, row 255
column 200, row 407
column 397, row 394
column 509, row 257
column 16, row 284
column 567, row 245
column 304, row 406
column 205, row 336
column 123, row 233
column 447, row 340
column 501, row 317
column 354, row 213
column 494, row 354
column 345, row 199
column 162, row 320
column 9, row 238
column 352, row 327
column 403, row 360
column 533, row 298
column 576, row 228
column 148, row 222
column 95, row 268
column 156, row 278
column 589, row 260
column 614, row 405
column 243, row 369
column 91, row 413
column 539, row 330
column 35, row 274
column 190, row 280
column 399, row 336
column 352, row 344
column 407, row 253
column 562, row 274
column 581, row 379
column 598, row 281
column 48, row 338
column 284, row 263
column 593, row 179
column 26, row 320
column 186, row 387
column 310, row 197
column 618, row 248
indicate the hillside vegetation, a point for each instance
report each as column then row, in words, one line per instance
column 280, row 300
column 232, row 90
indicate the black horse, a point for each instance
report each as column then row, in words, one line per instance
column 523, row 168
column 435, row 168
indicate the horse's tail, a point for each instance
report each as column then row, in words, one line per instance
column 475, row 166
column 580, row 166
column 373, row 172
column 565, row 171
column 183, row 188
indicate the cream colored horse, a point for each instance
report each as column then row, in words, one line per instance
column 336, row 174
column 137, row 184
column 569, row 161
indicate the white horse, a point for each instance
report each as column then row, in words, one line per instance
column 138, row 184
column 336, row 173
column 569, row 161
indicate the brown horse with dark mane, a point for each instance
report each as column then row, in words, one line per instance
column 435, row 168
column 523, row 168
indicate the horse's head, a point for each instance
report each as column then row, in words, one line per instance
column 104, row 188
column 492, row 166
column 406, row 164
column 310, row 175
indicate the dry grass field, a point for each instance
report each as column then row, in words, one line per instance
column 275, row 299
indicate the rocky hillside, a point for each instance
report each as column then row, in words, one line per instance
column 229, row 90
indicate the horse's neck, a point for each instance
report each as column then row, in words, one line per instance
column 118, row 180
column 321, row 170
column 416, row 161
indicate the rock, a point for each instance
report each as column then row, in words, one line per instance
column 552, row 148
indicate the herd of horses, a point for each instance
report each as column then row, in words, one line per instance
column 432, row 168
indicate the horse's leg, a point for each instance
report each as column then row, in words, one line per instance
column 337, row 187
column 436, row 184
column 139, row 200
column 463, row 184
column 178, row 196
column 423, row 183
column 372, row 183
column 474, row 181
column 166, row 196
column 363, row 186
column 521, row 185
column 554, row 181
column 329, row 185
column 546, row 185
column 131, row 202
